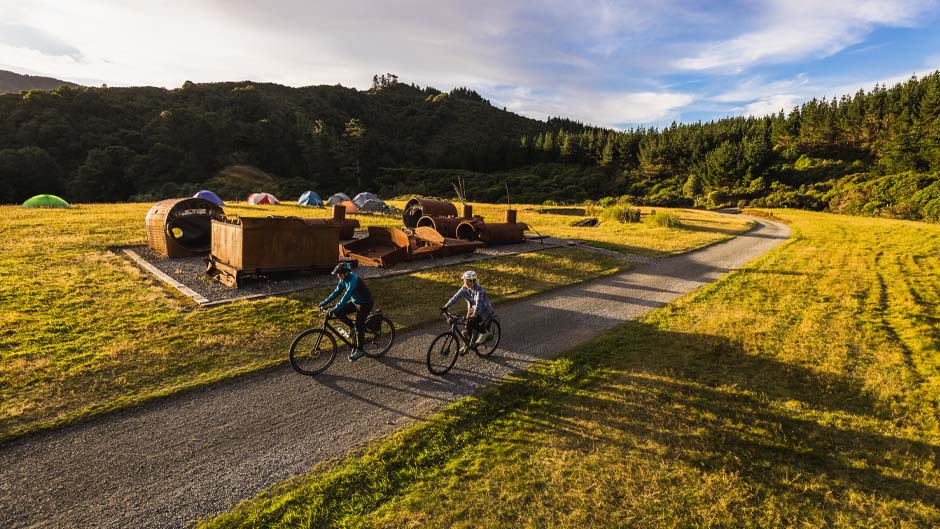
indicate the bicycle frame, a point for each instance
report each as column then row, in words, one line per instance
column 457, row 323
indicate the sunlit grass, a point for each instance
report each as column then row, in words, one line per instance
column 801, row 391
column 82, row 330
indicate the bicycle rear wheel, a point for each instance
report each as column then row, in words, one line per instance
column 486, row 348
column 312, row 351
column 379, row 337
column 442, row 355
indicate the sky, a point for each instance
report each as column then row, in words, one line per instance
column 605, row 63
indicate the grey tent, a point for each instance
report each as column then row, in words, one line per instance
column 338, row 198
column 373, row 205
column 363, row 197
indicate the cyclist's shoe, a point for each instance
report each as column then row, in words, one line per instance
column 356, row 355
column 462, row 349
column 483, row 338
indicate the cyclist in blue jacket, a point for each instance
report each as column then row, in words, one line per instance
column 356, row 298
column 479, row 309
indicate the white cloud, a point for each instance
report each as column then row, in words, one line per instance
column 605, row 109
column 772, row 105
column 797, row 29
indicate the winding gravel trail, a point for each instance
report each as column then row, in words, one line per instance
column 182, row 458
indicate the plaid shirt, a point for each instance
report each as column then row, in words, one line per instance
column 476, row 299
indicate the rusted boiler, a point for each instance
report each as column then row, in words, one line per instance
column 181, row 227
column 421, row 207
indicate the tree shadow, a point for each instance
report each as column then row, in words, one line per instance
column 706, row 402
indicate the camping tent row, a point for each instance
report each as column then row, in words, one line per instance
column 363, row 202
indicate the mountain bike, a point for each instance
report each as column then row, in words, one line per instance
column 313, row 350
column 444, row 350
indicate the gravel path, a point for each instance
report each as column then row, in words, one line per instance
column 182, row 458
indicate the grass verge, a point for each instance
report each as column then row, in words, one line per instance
column 801, row 391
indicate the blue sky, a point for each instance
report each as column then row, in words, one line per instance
column 616, row 64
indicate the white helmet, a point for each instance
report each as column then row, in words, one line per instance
column 469, row 274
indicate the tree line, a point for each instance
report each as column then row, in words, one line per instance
column 115, row 144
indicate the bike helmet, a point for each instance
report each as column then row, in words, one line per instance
column 341, row 268
column 469, row 274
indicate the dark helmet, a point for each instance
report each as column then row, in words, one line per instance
column 341, row 268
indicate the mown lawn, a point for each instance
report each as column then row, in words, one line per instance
column 83, row 330
column 801, row 391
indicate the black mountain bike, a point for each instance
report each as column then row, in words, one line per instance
column 444, row 350
column 315, row 349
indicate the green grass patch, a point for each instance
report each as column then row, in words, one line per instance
column 800, row 391
column 83, row 331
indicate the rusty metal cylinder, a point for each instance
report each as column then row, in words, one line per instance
column 446, row 226
column 420, row 207
column 339, row 212
column 467, row 211
column 468, row 230
column 500, row 233
column 510, row 216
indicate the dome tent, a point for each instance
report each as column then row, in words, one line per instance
column 309, row 198
column 210, row 196
column 338, row 198
column 262, row 198
column 45, row 201
column 373, row 204
column 364, row 197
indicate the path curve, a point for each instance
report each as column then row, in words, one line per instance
column 178, row 459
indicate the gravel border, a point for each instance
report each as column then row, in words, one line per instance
column 188, row 274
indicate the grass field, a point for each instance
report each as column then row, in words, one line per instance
column 83, row 331
column 801, row 391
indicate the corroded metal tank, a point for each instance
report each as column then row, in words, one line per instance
column 247, row 245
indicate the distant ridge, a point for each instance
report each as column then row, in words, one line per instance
column 12, row 82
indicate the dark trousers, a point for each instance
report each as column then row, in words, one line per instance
column 362, row 312
column 478, row 324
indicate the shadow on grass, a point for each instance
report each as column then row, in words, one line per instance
column 706, row 402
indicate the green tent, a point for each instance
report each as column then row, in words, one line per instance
column 45, row 201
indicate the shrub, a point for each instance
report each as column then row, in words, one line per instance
column 664, row 219
column 622, row 214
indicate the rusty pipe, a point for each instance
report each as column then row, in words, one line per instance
column 420, row 207
column 446, row 226
column 339, row 212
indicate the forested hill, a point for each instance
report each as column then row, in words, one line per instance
column 875, row 152
column 11, row 82
column 115, row 144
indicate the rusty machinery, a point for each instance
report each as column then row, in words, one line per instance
column 246, row 246
column 180, row 227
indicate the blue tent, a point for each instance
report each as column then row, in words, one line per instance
column 210, row 196
column 309, row 198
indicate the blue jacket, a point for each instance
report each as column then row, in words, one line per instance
column 355, row 291
column 476, row 300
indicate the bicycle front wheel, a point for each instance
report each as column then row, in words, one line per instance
column 379, row 337
column 486, row 348
column 442, row 355
column 312, row 351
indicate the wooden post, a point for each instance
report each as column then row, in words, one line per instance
column 339, row 212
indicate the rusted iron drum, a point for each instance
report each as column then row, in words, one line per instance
column 181, row 227
column 420, row 207
column 495, row 233
column 446, row 226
